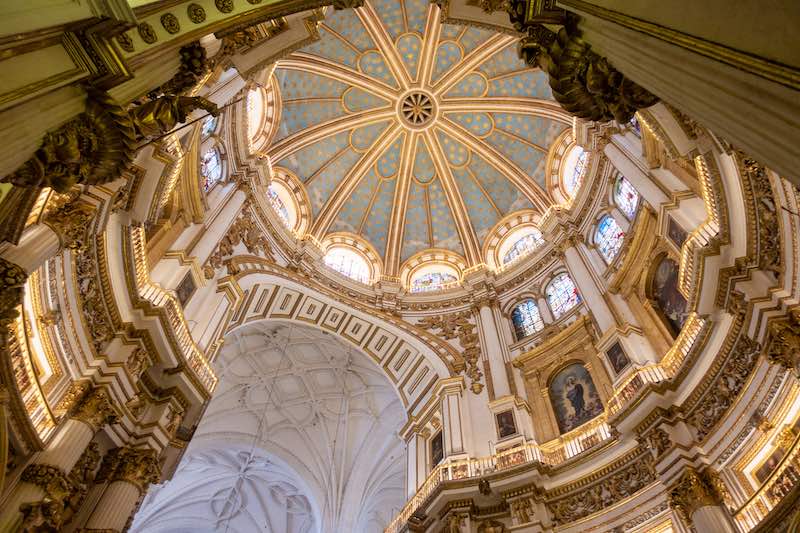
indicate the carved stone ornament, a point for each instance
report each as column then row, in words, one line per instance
column 596, row 497
column 96, row 409
column 769, row 231
column 224, row 6
column 138, row 466
column 125, row 42
column 522, row 510
column 12, row 283
column 784, row 344
column 658, row 441
column 76, row 391
column 196, row 13
column 47, row 514
column 726, row 387
column 194, row 64
column 583, row 82
column 458, row 325
column 693, row 491
column 138, row 361
column 245, row 231
column 170, row 23
column 70, row 221
column 94, row 314
column 491, row 526
column 147, row 33
column 92, row 148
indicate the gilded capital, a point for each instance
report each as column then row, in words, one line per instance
column 96, row 409
column 70, row 221
column 784, row 345
column 693, row 491
column 138, row 466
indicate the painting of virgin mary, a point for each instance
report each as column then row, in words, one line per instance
column 574, row 397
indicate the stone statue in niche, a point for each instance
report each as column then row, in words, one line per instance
column 574, row 397
column 667, row 297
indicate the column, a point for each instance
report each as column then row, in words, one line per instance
column 544, row 310
column 451, row 416
column 128, row 471
column 494, row 349
column 39, row 498
column 589, row 291
column 697, row 500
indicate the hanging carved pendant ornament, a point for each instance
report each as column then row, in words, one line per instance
column 583, row 82
column 458, row 325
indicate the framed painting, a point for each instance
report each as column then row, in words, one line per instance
column 617, row 358
column 574, row 397
column 506, row 425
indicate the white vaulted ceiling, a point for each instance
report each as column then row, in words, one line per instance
column 301, row 436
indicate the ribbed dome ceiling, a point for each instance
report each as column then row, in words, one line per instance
column 414, row 134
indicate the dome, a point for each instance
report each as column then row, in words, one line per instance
column 411, row 134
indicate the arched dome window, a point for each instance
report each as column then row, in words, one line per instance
column 608, row 238
column 626, row 197
column 209, row 126
column 211, row 168
column 348, row 262
column 432, row 278
column 283, row 204
column 572, row 173
column 255, row 112
column 526, row 319
column 520, row 244
column 562, row 294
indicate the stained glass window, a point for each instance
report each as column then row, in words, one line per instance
column 523, row 246
column 562, row 295
column 608, row 237
column 575, row 165
column 635, row 127
column 431, row 281
column 210, row 169
column 625, row 196
column 209, row 126
column 349, row 263
column 279, row 206
column 526, row 319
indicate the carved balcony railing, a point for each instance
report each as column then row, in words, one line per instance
column 553, row 452
column 779, row 484
column 693, row 331
column 166, row 306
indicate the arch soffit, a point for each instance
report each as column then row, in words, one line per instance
column 412, row 359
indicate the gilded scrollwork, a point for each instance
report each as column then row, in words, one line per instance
column 583, row 82
column 459, row 326
column 784, row 343
column 95, row 315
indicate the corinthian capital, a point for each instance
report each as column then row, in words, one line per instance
column 96, row 409
column 138, row 466
column 784, row 345
column 693, row 491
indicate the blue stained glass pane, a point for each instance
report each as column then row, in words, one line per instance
column 210, row 169
column 431, row 281
column 523, row 246
column 562, row 295
column 574, row 176
column 278, row 205
column 526, row 319
column 626, row 197
column 608, row 237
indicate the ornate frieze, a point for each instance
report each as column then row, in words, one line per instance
column 784, row 343
column 71, row 220
column 595, row 497
column 459, row 326
column 726, row 387
column 95, row 315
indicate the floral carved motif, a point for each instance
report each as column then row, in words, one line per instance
column 138, row 466
column 95, row 315
column 243, row 231
column 96, row 409
column 726, row 387
column 784, row 343
column 596, row 497
column 769, row 234
column 458, row 326
column 12, row 281
column 693, row 490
